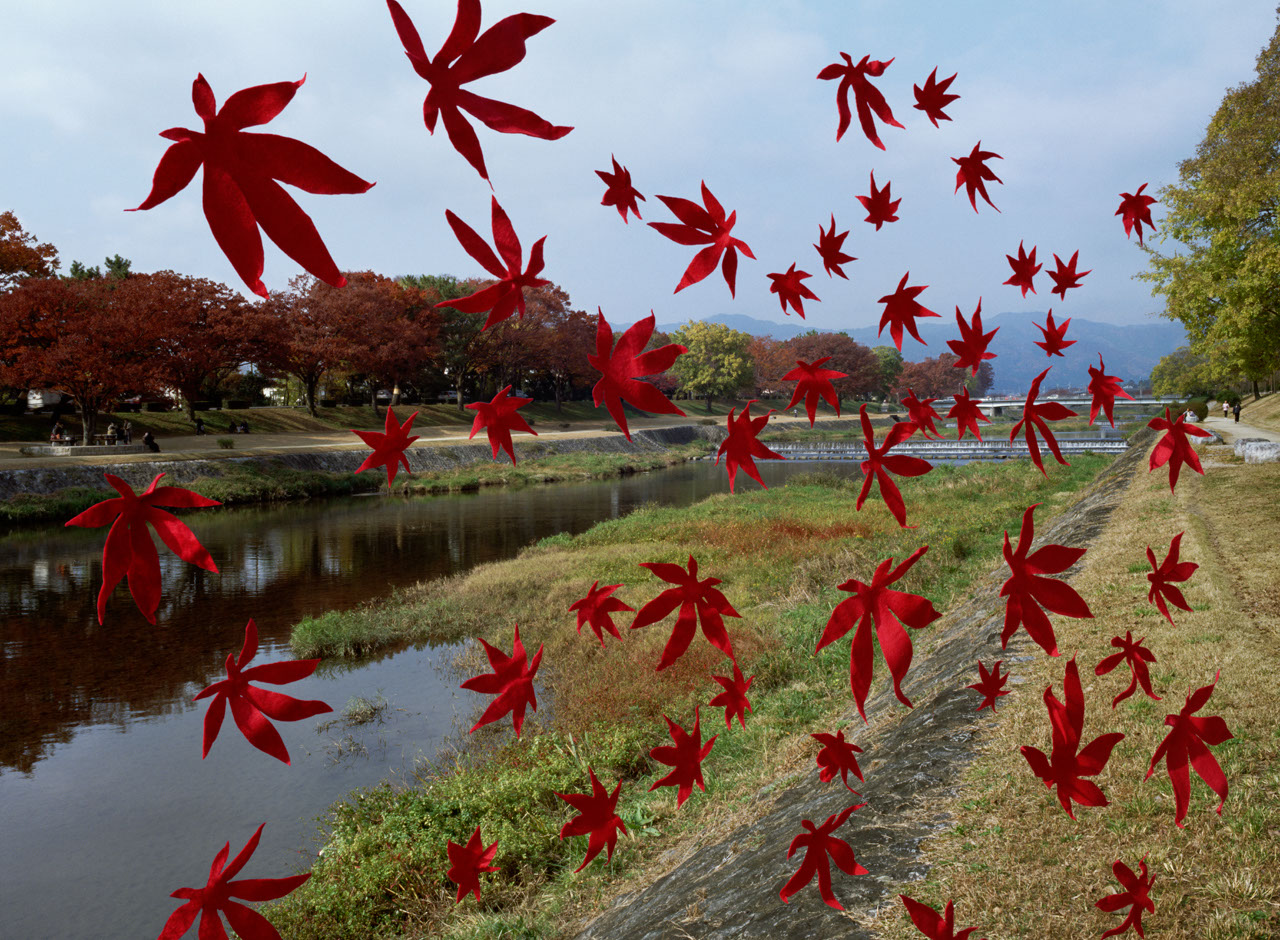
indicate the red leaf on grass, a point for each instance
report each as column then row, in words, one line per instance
column 901, row 310
column 620, row 192
column 685, row 756
column 697, row 600
column 812, row 382
column 241, row 171
column 879, row 464
column 1135, row 209
column 1174, row 448
column 1024, row 269
column 1065, row 276
column 830, row 247
column 867, row 98
column 933, row 97
column 821, row 849
column 971, row 347
column 1029, row 590
column 1054, row 335
column 129, row 551
column 875, row 605
column 790, row 291
column 1104, row 389
column 974, row 175
column 990, row 685
column 837, row 756
column 1186, row 746
column 251, row 707
column 1164, row 575
column 967, row 414
column 933, row 925
column 699, row 226
column 388, row 446
column 597, row 818
column 1137, row 891
column 463, row 58
column 734, row 696
column 621, row 366
column 1137, row 656
column 511, row 681
column 598, row 608
column 880, row 206
column 467, row 862
column 921, row 414
column 498, row 418
column 741, row 448
column 1067, row 765
column 1034, row 416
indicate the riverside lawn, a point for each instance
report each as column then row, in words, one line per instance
column 780, row 556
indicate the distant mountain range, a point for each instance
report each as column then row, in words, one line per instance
column 1129, row 351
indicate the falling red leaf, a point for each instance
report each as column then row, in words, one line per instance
column 867, row 98
column 830, row 247
column 699, row 226
column 790, row 291
column 216, row 896
column 974, row 175
column 598, row 608
column 813, row 381
column 875, row 605
column 388, row 447
column 1137, row 656
column 734, row 696
column 880, row 206
column 1135, row 208
column 129, row 551
column 742, row 448
column 901, row 309
column 1024, row 269
column 621, row 366
column 1164, row 575
column 498, row 418
column 697, row 600
column 837, row 756
column 1034, row 416
column 1137, row 891
column 821, row 849
column 967, row 414
column 921, row 413
column 990, row 685
column 685, row 756
column 1054, row 335
column 879, row 464
column 933, row 925
column 241, row 170
column 511, row 681
column 620, row 192
column 251, row 707
column 1174, row 448
column 933, row 97
column 597, row 818
column 463, row 58
column 1065, row 276
column 1066, row 768
column 467, row 862
column 1186, row 746
column 1104, row 389
column 506, row 297
column 971, row 347
column 1029, row 590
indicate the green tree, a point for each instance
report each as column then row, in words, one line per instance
column 717, row 364
column 1184, row 374
column 460, row 333
column 118, row 269
column 891, row 366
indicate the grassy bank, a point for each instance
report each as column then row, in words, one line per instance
column 780, row 555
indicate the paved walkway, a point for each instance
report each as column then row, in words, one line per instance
column 1230, row 431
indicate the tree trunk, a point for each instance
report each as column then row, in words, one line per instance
column 556, row 386
column 458, row 389
column 709, row 404
column 373, row 399
column 1256, row 394
column 310, row 392
column 395, row 394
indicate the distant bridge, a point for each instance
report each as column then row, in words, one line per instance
column 993, row 448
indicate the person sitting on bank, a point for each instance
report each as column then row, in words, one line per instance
column 244, row 427
column 113, row 433
column 57, row 434
column 199, row 425
column 149, row 440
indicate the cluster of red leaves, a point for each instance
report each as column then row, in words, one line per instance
column 990, row 685
column 880, row 463
column 619, row 192
column 388, row 446
column 789, row 289
column 498, row 418
column 821, row 849
column 971, row 347
column 1165, row 575
column 974, row 174
column 901, row 310
column 597, row 609
column 814, row 382
column 621, row 366
column 837, row 756
column 1034, row 416
column 880, row 205
column 1028, row 590
column 1054, row 335
column 868, row 99
column 741, row 448
column 830, row 248
column 698, row 601
column 1024, row 269
column 511, row 681
column 1175, row 448
column 933, row 925
column 704, row 226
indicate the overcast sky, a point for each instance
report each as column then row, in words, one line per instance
column 1081, row 100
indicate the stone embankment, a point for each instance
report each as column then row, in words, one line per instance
column 1257, row 450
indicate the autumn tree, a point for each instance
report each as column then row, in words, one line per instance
column 456, row 353
column 772, row 360
column 718, row 363
column 506, row 353
column 857, row 361
column 891, row 364
column 932, row 378
column 21, row 255
column 300, row 336
column 562, row 340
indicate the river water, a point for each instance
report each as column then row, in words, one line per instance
column 105, row 804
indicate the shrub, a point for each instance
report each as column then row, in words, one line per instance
column 1200, row 406
column 226, row 443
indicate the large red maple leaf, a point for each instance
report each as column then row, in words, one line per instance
column 466, row 862
column 620, row 367
column 1054, row 335
column 1068, row 764
column 511, row 681
column 465, row 56
column 1137, row 656
column 790, row 291
column 704, row 226
column 1175, row 448
column 814, row 382
column 1064, row 275
column 821, row 849
column 699, row 601
column 598, row 608
column 867, row 98
column 1187, row 746
column 876, row 606
column 129, row 551
column 597, row 818
column 880, row 205
column 1034, row 416
column 921, row 413
column 933, row 925
column 388, row 446
column 1029, row 590
column 837, row 756
column 1104, row 390
column 498, row 418
column 990, row 685
column 901, row 310
column 830, row 248
column 1164, row 575
column 1135, row 209
column 685, row 756
column 974, row 174
column 734, row 696
column 971, row 347
column 241, row 170
column 742, row 447
column 619, row 191
column 1024, row 269
column 933, row 97
column 967, row 414
column 880, row 463
column 1137, row 891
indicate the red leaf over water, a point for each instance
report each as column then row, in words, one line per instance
column 790, row 291
column 971, row 347
column 1137, row 891
column 511, row 681
column 1065, row 277
column 697, row 601
column 1135, row 209
column 933, row 925
column 990, row 685
column 933, row 97
column 1034, row 417
column 741, row 449
column 685, row 756
column 821, row 849
column 1024, row 269
column 388, row 447
column 974, row 174
column 880, row 206
column 830, row 247
column 814, row 382
column 498, row 418
column 699, row 226
column 967, row 414
column 879, row 464
column 467, row 862
column 1187, row 746
column 597, row 818
column 1164, row 575
column 867, row 98
column 620, row 192
column 621, row 366
column 734, row 697
column 1054, row 335
column 598, row 608
column 1028, row 590
column 837, row 756
column 1175, row 448
column 921, row 414
column 1104, row 389
column 1137, row 656
column 901, row 310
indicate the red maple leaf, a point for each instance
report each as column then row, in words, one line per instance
column 1065, row 276
column 464, row 58
column 129, row 551
column 741, row 448
column 1135, row 209
column 837, row 756
column 1024, row 269
column 1137, row 656
column 216, row 896
column 697, row 600
column 251, row 707
column 921, row 413
column 597, row 818
column 1137, row 891
column 699, row 226
column 830, row 247
column 1054, row 335
column 901, row 310
column 813, row 381
column 879, row 464
column 974, row 174
column 388, row 447
column 967, row 414
column 867, row 98
column 685, row 756
column 1164, row 575
column 971, row 347
column 933, row 97
column 1186, row 746
column 933, row 925
column 821, row 849
column 467, row 862
column 1066, row 768
column 511, row 681
column 241, row 170
column 1174, row 448
column 875, row 605
column 734, row 696
column 598, row 608
column 790, row 291
column 621, row 366
column 990, row 685
column 620, row 192
column 1029, row 590
column 881, row 208
column 1034, row 416
column 506, row 297
column 1104, row 389
column 498, row 418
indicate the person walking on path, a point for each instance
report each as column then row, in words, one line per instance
column 126, row 430
column 1236, row 411
column 199, row 425
column 1226, row 409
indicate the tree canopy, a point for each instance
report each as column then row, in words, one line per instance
column 21, row 255
column 717, row 364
